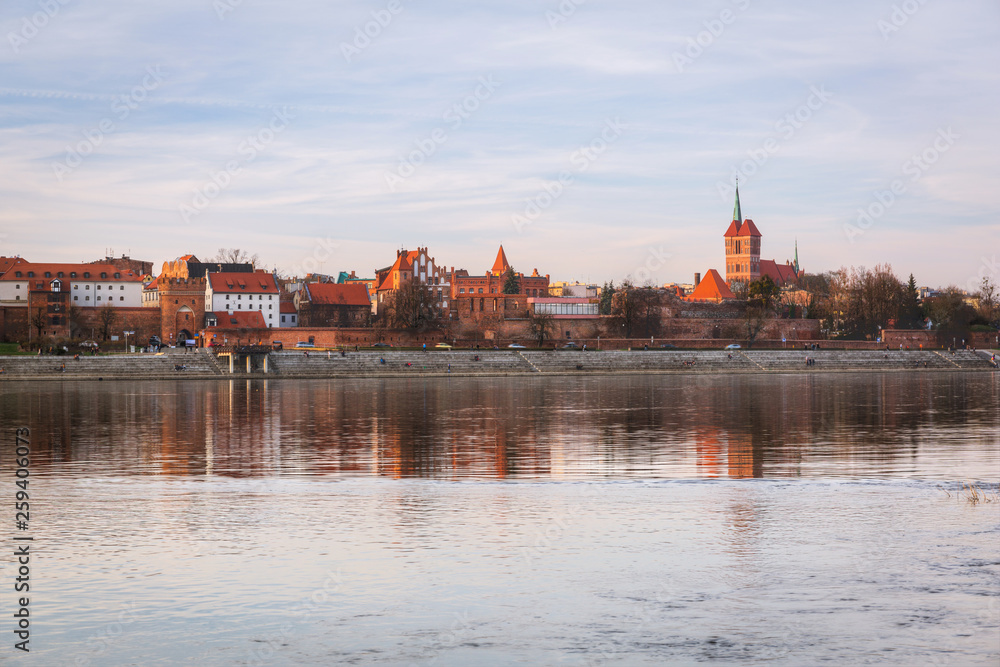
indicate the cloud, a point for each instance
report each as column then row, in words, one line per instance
column 559, row 83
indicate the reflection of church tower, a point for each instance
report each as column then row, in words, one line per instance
column 742, row 247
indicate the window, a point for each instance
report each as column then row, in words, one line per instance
column 121, row 287
column 76, row 298
column 98, row 298
column 48, row 274
column 118, row 275
column 86, row 298
column 31, row 274
column 227, row 297
column 461, row 290
column 17, row 286
column 86, row 274
column 17, row 274
column 121, row 298
column 104, row 274
column 98, row 287
column 87, row 287
column 282, row 318
column 480, row 290
column 72, row 274
column 17, row 298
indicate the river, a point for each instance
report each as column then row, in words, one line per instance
column 779, row 519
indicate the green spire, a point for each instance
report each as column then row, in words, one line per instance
column 796, row 256
column 737, row 213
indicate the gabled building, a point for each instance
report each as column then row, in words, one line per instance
column 415, row 265
column 481, row 294
column 333, row 305
column 234, row 292
column 743, row 246
column 712, row 288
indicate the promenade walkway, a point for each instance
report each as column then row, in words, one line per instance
column 177, row 364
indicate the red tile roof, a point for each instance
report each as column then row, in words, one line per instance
column 7, row 262
column 781, row 274
column 501, row 264
column 240, row 319
column 402, row 263
column 749, row 229
column 153, row 284
column 337, row 294
column 258, row 282
column 94, row 270
column 712, row 288
column 734, row 229
column 287, row 307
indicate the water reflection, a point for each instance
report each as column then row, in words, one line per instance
column 937, row 425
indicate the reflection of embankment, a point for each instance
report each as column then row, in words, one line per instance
column 540, row 427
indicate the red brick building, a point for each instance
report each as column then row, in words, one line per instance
column 333, row 305
column 472, row 296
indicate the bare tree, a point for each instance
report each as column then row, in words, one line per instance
column 987, row 297
column 38, row 320
column 625, row 308
column 235, row 256
column 540, row 326
column 106, row 318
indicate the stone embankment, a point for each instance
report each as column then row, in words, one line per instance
column 319, row 364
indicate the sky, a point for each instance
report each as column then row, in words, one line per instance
column 595, row 140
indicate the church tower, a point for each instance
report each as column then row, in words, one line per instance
column 742, row 247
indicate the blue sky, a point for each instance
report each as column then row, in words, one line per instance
column 160, row 129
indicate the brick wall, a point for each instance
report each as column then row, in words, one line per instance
column 182, row 307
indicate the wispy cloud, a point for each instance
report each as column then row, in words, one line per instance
column 324, row 176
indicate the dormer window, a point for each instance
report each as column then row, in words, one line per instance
column 31, row 274
column 48, row 274
column 17, row 274
column 104, row 274
column 72, row 274
column 86, row 274
column 118, row 275
column 55, row 285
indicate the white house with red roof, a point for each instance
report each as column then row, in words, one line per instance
column 235, row 292
column 88, row 285
column 289, row 316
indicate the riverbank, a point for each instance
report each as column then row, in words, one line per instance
column 201, row 364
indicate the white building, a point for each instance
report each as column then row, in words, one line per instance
column 289, row 316
column 233, row 292
column 89, row 285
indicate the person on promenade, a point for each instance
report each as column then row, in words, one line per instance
column 425, row 347
column 381, row 360
column 62, row 368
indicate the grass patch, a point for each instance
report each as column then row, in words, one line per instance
column 8, row 349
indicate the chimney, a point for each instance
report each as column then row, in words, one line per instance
column 697, row 279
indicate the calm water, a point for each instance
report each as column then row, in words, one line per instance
column 788, row 520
